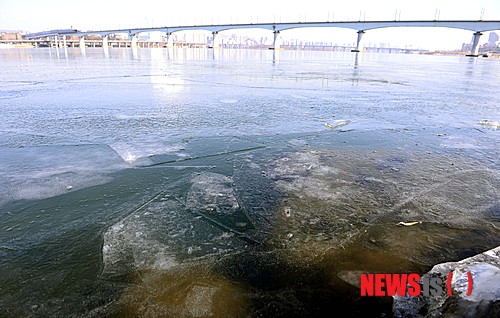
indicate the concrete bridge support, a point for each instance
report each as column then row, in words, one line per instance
column 133, row 40
column 358, row 42
column 105, row 41
column 475, row 45
column 216, row 40
column 63, row 41
column 276, row 41
column 170, row 40
column 82, row 42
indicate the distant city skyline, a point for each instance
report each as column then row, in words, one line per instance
column 34, row 16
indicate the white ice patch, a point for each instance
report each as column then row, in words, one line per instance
column 139, row 153
column 228, row 101
column 130, row 158
column 301, row 97
column 461, row 142
column 162, row 234
column 123, row 248
column 42, row 172
column 337, row 124
column 490, row 124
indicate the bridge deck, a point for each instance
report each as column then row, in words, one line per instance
column 476, row 26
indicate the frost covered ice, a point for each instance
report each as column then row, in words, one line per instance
column 45, row 171
column 169, row 231
column 304, row 209
column 212, row 193
column 335, row 196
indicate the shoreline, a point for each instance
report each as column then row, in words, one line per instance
column 325, row 49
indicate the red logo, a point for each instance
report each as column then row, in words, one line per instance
column 407, row 284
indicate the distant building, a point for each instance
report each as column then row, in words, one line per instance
column 95, row 37
column 466, row 47
column 492, row 44
column 493, row 37
column 10, row 36
column 118, row 36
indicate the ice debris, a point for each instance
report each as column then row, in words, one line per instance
column 492, row 124
column 337, row 124
column 409, row 223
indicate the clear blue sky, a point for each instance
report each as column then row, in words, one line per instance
column 36, row 15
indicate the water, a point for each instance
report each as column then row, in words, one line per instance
column 194, row 183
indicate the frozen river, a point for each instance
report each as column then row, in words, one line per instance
column 172, row 182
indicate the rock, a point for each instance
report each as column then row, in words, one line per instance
column 483, row 301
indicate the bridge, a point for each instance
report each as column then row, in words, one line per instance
column 361, row 27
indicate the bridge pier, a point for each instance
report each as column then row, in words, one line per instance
column 63, row 39
column 360, row 35
column 475, row 45
column 105, row 41
column 82, row 46
column 133, row 39
column 82, row 42
column 170, row 40
column 276, row 41
column 216, row 41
